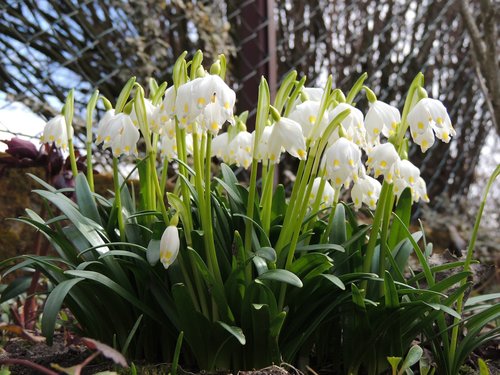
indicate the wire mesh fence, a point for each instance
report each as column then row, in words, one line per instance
column 49, row 47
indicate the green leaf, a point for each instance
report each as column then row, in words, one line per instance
column 338, row 235
column 131, row 334
column 281, row 275
column 235, row 331
column 53, row 306
column 118, row 289
column 413, row 356
column 326, row 247
column 278, row 205
column 357, row 297
column 15, row 288
column 403, row 249
column 390, row 292
column 86, row 202
column 85, row 226
column 403, row 210
column 267, row 253
column 232, row 191
column 334, row 280
column 483, row 367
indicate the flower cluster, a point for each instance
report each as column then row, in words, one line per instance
column 204, row 104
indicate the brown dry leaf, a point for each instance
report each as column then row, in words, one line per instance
column 106, row 351
column 20, row 331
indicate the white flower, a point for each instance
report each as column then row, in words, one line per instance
column 353, row 124
column 382, row 159
column 286, row 134
column 124, row 135
column 366, row 190
column 327, row 196
column 262, row 149
column 342, row 161
column 240, row 149
column 381, row 118
column 169, row 246
column 305, row 114
column 420, row 191
column 162, row 120
column 55, row 131
column 168, row 147
column 104, row 129
column 213, row 118
column 429, row 114
column 408, row 175
column 220, row 147
column 195, row 95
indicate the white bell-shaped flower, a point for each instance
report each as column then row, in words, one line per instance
column 286, row 134
column 382, row 160
column 124, row 135
column 195, row 95
column 169, row 246
column 381, row 118
column 342, row 161
column 352, row 125
column 408, row 175
column 419, row 192
column 240, row 149
column 55, row 131
column 104, row 129
column 168, row 147
column 220, row 147
column 327, row 196
column 430, row 114
column 366, row 190
column 213, row 118
column 305, row 114
column 262, row 152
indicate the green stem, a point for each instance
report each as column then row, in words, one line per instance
column 118, row 200
column 186, row 196
column 326, row 233
column 157, row 188
column 389, row 203
column 164, row 175
column 267, row 198
column 377, row 221
column 74, row 168
column 90, row 171
column 468, row 260
column 250, row 207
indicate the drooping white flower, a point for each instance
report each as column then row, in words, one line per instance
column 104, row 129
column 327, row 196
column 343, row 162
column 213, row 117
column 408, row 175
column 124, row 135
column 169, row 245
column 55, row 131
column 366, row 190
column 420, row 191
column 163, row 117
column 240, row 149
column 168, row 147
column 382, row 159
column 195, row 95
column 262, row 152
column 305, row 114
column 220, row 147
column 352, row 125
column 381, row 118
column 286, row 134
column 430, row 114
